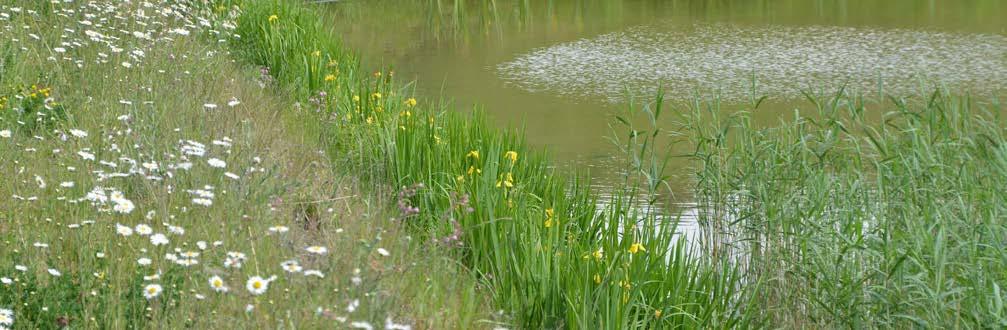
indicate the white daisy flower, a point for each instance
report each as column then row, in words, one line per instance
column 124, row 206
column 317, row 249
column 6, row 317
column 186, row 262
column 389, row 325
column 158, row 239
column 151, row 291
column 291, row 266
column 234, row 259
column 214, row 162
column 176, row 230
column 86, row 155
column 257, row 285
column 202, row 201
column 123, row 230
column 217, row 284
column 78, row 133
column 361, row 325
column 144, row 230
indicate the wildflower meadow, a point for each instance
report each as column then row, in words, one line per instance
column 230, row 163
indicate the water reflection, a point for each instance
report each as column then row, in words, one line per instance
column 455, row 48
column 781, row 61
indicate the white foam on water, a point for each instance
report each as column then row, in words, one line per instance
column 783, row 60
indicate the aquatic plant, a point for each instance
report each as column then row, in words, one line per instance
column 860, row 213
column 532, row 235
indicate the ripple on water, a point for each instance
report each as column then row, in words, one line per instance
column 784, row 61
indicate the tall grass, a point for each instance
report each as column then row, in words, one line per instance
column 855, row 222
column 548, row 253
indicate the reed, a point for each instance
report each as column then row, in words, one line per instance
column 848, row 220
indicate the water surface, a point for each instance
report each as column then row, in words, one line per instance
column 560, row 68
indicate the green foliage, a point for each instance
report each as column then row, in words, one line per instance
column 138, row 314
column 33, row 109
column 291, row 44
column 43, row 300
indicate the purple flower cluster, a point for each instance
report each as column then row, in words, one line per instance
column 457, row 203
column 405, row 205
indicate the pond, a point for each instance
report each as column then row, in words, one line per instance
column 560, row 68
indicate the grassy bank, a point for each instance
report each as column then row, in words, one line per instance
column 139, row 164
column 547, row 252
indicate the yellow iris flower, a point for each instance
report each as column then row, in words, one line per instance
column 512, row 155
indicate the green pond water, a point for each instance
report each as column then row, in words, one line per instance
column 561, row 68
